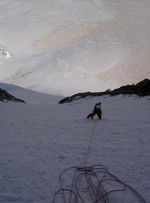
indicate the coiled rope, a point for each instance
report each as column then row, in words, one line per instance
column 93, row 184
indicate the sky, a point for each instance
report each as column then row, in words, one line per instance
column 40, row 139
column 65, row 47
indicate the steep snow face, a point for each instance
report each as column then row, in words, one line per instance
column 63, row 47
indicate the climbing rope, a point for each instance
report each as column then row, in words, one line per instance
column 90, row 143
column 93, row 184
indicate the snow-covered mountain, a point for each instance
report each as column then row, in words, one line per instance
column 63, row 47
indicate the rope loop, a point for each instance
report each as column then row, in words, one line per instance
column 93, row 184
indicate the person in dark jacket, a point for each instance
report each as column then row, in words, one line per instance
column 96, row 111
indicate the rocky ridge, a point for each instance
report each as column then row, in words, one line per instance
column 141, row 89
column 6, row 97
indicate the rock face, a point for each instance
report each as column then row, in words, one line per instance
column 5, row 97
column 4, row 53
column 141, row 89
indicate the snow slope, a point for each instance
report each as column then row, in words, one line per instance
column 65, row 47
column 40, row 139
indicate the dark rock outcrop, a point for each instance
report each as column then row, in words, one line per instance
column 141, row 89
column 5, row 97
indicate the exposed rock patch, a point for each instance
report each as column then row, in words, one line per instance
column 5, row 97
column 141, row 89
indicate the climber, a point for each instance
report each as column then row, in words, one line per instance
column 96, row 111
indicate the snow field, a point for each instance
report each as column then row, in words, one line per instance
column 42, row 138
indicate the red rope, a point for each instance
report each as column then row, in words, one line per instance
column 92, row 184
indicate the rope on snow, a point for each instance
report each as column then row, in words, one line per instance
column 90, row 143
column 93, row 184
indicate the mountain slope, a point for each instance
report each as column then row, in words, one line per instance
column 141, row 89
column 72, row 46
